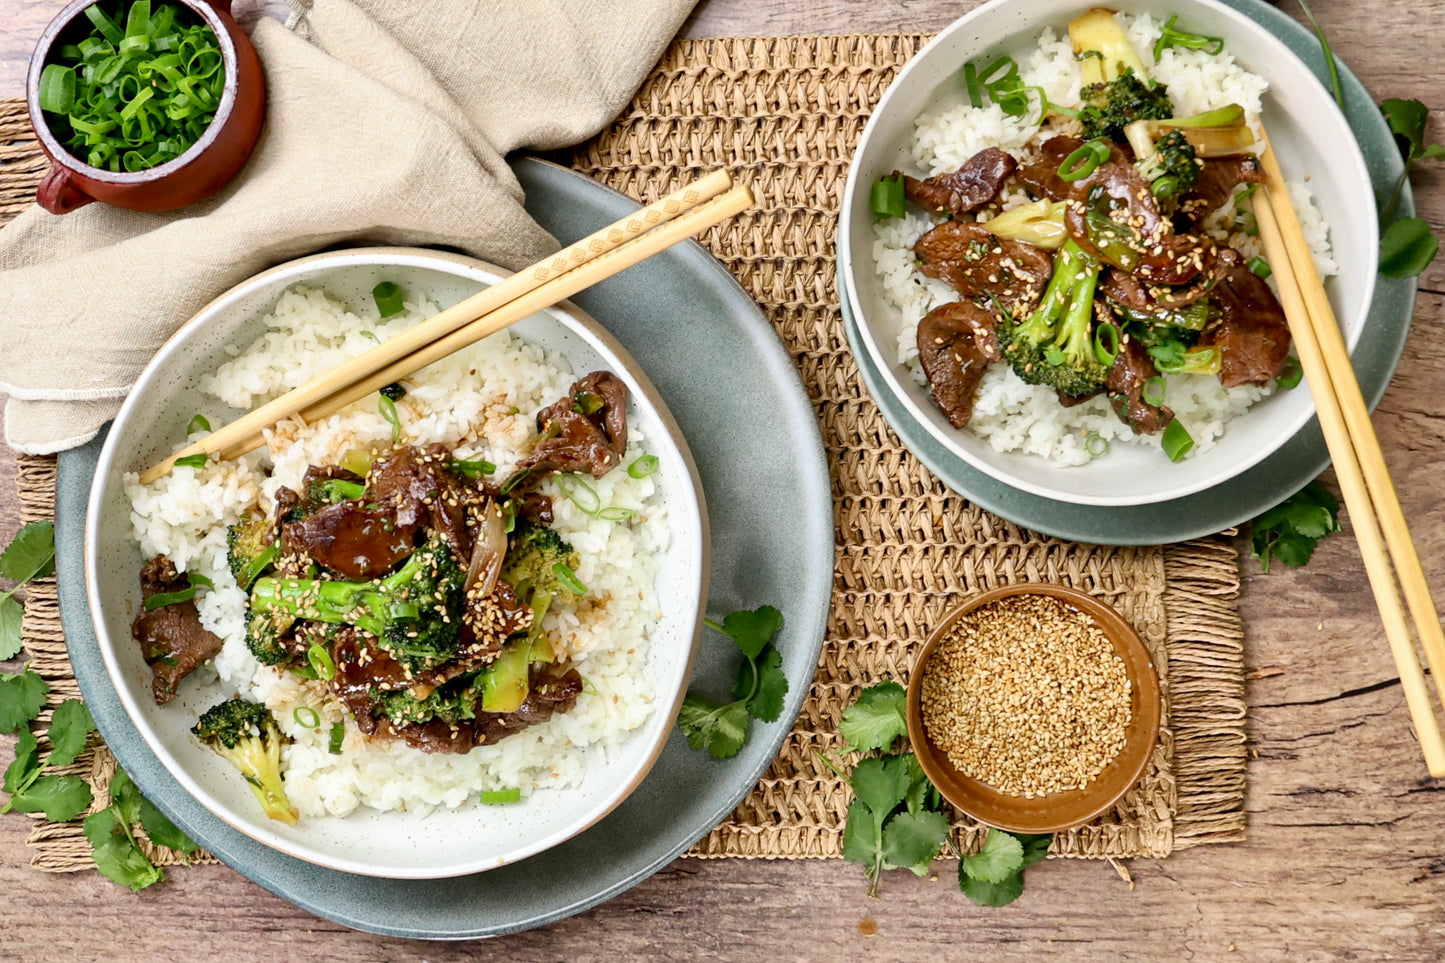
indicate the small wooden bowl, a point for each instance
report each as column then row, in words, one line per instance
column 1060, row 810
column 205, row 167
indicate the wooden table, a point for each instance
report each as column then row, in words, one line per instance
column 1344, row 855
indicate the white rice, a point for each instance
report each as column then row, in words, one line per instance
column 1013, row 416
column 483, row 402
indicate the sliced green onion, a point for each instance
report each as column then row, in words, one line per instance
column 493, row 797
column 388, row 298
column 1244, row 219
column 1096, row 444
column 587, row 402
column 161, row 599
column 515, row 480
column 403, row 610
column 580, row 493
column 1176, row 440
column 1153, row 393
column 1106, row 343
column 887, row 197
column 1292, row 374
column 569, row 578
column 388, row 412
column 371, row 335
column 1260, row 266
column 57, row 88
column 1083, row 162
column 103, row 23
column 321, row 662
column 616, row 514
column 970, row 82
column 191, row 461
column 1002, row 71
column 395, row 391
column 1171, row 37
column 304, row 671
column 198, row 423
column 643, row 466
column 338, row 733
column 473, row 468
column 138, row 21
column 306, row 717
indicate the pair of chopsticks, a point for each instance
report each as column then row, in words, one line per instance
column 1375, row 514
column 618, row 246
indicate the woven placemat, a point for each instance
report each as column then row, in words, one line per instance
column 784, row 115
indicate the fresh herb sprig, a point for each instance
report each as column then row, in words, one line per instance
column 29, row 556
column 1289, row 531
column 118, row 855
column 722, row 728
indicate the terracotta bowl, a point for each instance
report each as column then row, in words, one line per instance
column 205, row 168
column 1060, row 810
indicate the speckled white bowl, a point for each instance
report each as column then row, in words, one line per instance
column 398, row 845
column 1312, row 139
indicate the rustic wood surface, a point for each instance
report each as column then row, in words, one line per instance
column 1344, row 857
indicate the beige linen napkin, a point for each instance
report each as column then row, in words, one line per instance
column 387, row 122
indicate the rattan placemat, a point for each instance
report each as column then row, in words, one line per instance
column 784, row 115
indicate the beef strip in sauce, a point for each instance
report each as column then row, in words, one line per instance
column 1217, row 180
column 1041, row 176
column 1251, row 334
column 553, row 689
column 956, row 344
column 171, row 638
column 979, row 264
column 580, row 435
column 1131, row 370
column 967, row 189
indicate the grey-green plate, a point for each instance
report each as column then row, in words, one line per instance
column 738, row 399
column 1248, row 494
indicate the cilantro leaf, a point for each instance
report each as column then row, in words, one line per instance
column 882, row 783
column 26, row 765
column 912, row 839
column 116, row 855
column 876, row 719
column 1407, row 119
column 12, row 614
column 31, row 554
column 991, row 894
column 751, row 630
column 61, row 798
column 1036, row 847
column 1290, row 530
column 1407, row 247
column 162, row 831
column 125, row 798
column 70, row 729
column 1002, row 856
column 863, row 841
column 720, row 729
column 22, row 696
column 767, row 703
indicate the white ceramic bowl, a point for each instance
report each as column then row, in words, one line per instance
column 1312, row 140
column 391, row 844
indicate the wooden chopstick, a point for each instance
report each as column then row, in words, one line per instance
column 1375, row 513
column 638, row 249
column 246, row 430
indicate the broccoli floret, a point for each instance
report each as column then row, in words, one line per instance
column 267, row 632
column 415, row 612
column 251, row 547
column 1054, row 345
column 245, row 733
column 336, row 490
column 451, row 703
column 534, row 553
column 1111, row 106
column 1172, row 168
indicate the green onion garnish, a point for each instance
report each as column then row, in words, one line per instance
column 1171, row 37
column 320, row 661
column 1244, row 219
column 887, row 197
column 1292, row 374
column 473, row 468
column 644, row 465
column 306, row 717
column 569, row 578
column 1106, row 343
column 616, row 514
column 338, row 733
column 580, row 493
column 388, row 411
column 388, row 298
column 191, row 461
column 587, row 402
column 970, row 81
column 1176, row 440
column 492, row 797
column 198, row 423
column 1260, row 267
column 160, row 599
column 515, row 480
column 1082, row 162
column 1153, row 393
column 1096, row 444
column 57, row 88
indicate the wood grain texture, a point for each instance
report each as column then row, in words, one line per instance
column 1344, row 857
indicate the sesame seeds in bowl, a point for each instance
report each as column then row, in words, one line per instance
column 1033, row 708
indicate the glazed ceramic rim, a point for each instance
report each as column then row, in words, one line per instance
column 1144, row 728
column 572, row 319
column 850, row 263
column 41, row 58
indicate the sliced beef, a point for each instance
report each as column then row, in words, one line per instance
column 1156, row 299
column 1040, row 177
column 553, row 689
column 1251, row 333
column 1217, row 180
column 967, row 189
column 171, row 638
column 979, row 264
column 1120, row 194
column 1132, row 368
column 357, row 539
column 586, row 431
column 956, row 344
column 420, row 487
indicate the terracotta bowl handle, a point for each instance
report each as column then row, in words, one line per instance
column 59, row 194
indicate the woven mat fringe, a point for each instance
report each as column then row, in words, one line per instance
column 784, row 115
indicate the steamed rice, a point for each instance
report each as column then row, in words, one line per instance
column 1011, row 415
column 482, row 402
